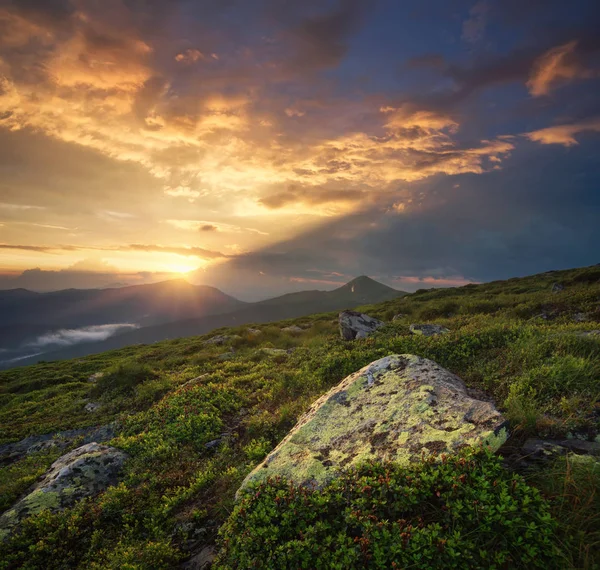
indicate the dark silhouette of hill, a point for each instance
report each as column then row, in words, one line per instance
column 359, row 291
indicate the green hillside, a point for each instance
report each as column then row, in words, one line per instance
column 521, row 341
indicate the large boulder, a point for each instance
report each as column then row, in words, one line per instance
column 83, row 472
column 357, row 325
column 398, row 408
column 428, row 329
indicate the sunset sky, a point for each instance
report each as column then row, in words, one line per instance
column 265, row 146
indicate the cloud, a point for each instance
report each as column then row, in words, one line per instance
column 69, row 337
column 186, row 251
column 204, row 226
column 564, row 134
column 557, row 66
column 474, row 28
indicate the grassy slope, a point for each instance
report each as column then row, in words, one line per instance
column 175, row 492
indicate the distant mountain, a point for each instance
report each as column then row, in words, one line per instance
column 359, row 291
column 140, row 304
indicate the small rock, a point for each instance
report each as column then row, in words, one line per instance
column 195, row 380
column 213, row 444
column 92, row 407
column 274, row 351
column 355, row 325
column 294, row 329
column 589, row 333
column 221, row 339
column 95, row 377
column 254, row 332
column 202, row 560
column 428, row 329
column 581, row 317
column 557, row 287
column 398, row 316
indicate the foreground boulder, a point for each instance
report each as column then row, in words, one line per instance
column 428, row 330
column 396, row 408
column 83, row 472
column 357, row 325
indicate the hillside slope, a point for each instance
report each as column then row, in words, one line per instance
column 196, row 418
column 358, row 291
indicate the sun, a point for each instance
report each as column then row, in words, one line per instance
column 181, row 268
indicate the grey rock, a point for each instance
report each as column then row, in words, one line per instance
column 202, row 560
column 83, row 472
column 275, row 351
column 354, row 325
column 396, row 408
column 213, row 444
column 581, row 317
column 221, row 339
column 254, row 332
column 399, row 316
column 557, row 287
column 428, row 329
column 92, row 407
column 595, row 333
column 95, row 377
column 294, row 329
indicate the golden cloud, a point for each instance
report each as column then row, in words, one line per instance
column 558, row 65
column 102, row 90
column 563, row 134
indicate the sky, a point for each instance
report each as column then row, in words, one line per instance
column 265, row 146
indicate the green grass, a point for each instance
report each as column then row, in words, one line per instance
column 541, row 372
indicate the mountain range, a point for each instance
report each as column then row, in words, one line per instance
column 75, row 322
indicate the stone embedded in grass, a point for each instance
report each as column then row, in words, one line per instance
column 355, row 325
column 221, row 339
column 95, row 377
column 398, row 317
column 294, row 329
column 557, row 287
column 92, row 407
column 83, row 472
column 428, row 329
column 396, row 408
column 254, row 332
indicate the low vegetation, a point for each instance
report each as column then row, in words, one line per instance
column 518, row 340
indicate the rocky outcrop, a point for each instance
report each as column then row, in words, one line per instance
column 396, row 408
column 355, row 325
column 428, row 329
column 10, row 452
column 83, row 472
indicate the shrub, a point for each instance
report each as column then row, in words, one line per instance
column 123, row 378
column 464, row 511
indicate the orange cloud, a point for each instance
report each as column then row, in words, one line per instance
column 563, row 134
column 557, row 66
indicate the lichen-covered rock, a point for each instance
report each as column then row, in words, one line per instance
column 83, row 472
column 254, row 332
column 428, row 329
column 92, row 407
column 10, row 452
column 396, row 408
column 355, row 325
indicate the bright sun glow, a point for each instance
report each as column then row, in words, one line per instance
column 182, row 268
